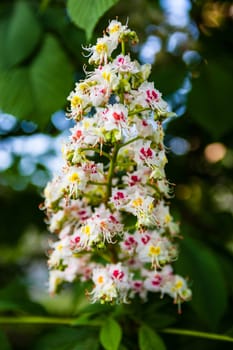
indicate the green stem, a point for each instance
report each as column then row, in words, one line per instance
column 123, row 47
column 136, row 111
column 97, row 183
column 76, row 321
column 35, row 320
column 96, row 150
column 192, row 333
column 111, row 172
column 130, row 141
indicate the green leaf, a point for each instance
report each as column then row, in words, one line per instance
column 168, row 73
column 5, row 345
column 209, row 101
column 149, row 339
column 15, row 92
column 208, row 285
column 85, row 14
column 51, row 78
column 23, row 33
column 110, row 334
column 35, row 92
column 65, row 338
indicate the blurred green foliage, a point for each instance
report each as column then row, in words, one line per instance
column 41, row 58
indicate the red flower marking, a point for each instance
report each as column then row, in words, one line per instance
column 118, row 196
column 157, row 280
column 77, row 239
column 134, row 179
column 152, row 95
column 138, row 284
column 118, row 116
column 121, row 60
column 77, row 135
column 118, row 274
column 145, row 239
column 147, row 153
column 130, row 241
column 113, row 219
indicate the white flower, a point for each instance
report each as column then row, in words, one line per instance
column 103, row 49
column 123, row 64
column 176, row 287
column 155, row 249
column 148, row 97
column 111, row 284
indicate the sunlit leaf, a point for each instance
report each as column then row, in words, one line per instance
column 110, row 334
column 23, row 33
column 37, row 91
column 51, row 78
column 85, row 14
column 207, row 282
column 149, row 339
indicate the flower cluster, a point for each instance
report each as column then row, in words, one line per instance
column 109, row 205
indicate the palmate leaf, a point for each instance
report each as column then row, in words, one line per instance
column 208, row 285
column 110, row 334
column 36, row 91
column 65, row 338
column 148, row 339
column 23, row 33
column 209, row 101
column 85, row 14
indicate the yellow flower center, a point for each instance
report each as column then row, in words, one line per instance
column 178, row 285
column 106, row 76
column 87, row 230
column 59, row 247
column 86, row 124
column 100, row 279
column 76, row 101
column 154, row 250
column 101, row 47
column 167, row 218
column 74, row 177
column 137, row 202
column 114, row 29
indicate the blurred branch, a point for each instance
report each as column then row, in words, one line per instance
column 83, row 321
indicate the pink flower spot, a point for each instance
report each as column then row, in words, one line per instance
column 113, row 219
column 77, row 135
column 118, row 274
column 157, row 280
column 118, row 196
column 121, row 60
column 147, row 153
column 138, row 284
column 145, row 239
column 118, row 116
column 134, row 179
column 77, row 239
column 130, row 241
column 152, row 95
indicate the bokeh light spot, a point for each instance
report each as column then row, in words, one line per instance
column 215, row 152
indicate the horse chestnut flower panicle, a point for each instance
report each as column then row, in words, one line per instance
column 108, row 206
